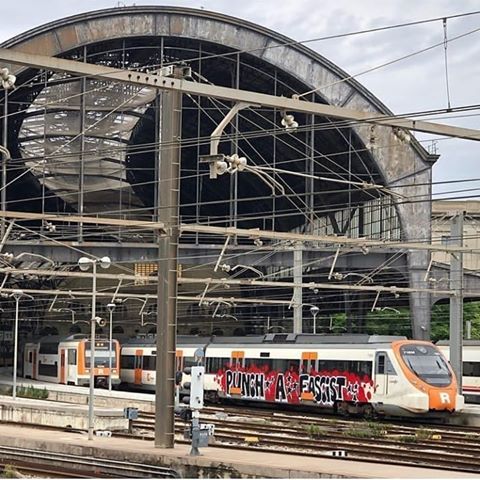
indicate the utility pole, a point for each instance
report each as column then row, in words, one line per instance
column 168, row 213
column 297, row 290
column 456, row 301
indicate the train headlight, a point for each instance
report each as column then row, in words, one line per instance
column 87, row 370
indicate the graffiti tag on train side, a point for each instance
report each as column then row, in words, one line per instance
column 322, row 388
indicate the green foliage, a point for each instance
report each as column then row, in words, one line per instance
column 389, row 322
column 338, row 322
column 9, row 472
column 368, row 430
column 423, row 434
column 441, row 320
column 32, row 392
column 314, row 431
column 407, row 438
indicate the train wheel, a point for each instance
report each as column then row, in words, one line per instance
column 368, row 411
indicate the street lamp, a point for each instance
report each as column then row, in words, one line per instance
column 17, row 295
column 7, row 81
column 111, row 308
column 84, row 264
column 314, row 311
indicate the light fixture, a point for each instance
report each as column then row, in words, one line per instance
column 314, row 311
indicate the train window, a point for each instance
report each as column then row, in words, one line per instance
column 216, row 364
column 72, row 356
column 471, row 369
column 138, row 361
column 293, row 365
column 128, row 362
column 149, row 362
column 279, row 365
column 250, row 363
column 30, row 357
column 380, row 364
column 189, row 362
column 390, row 368
column 426, row 363
column 47, row 370
column 330, row 365
column 49, row 348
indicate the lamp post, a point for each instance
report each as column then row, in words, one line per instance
column 7, row 81
column 84, row 264
column 17, row 295
column 111, row 308
column 314, row 311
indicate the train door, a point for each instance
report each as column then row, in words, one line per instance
column 381, row 373
column 62, row 365
column 138, row 367
column 179, row 361
column 237, row 363
column 28, row 362
column 34, row 365
column 308, row 363
column 72, row 366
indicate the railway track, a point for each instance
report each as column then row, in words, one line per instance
column 60, row 465
column 436, row 446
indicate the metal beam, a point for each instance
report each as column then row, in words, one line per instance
column 242, row 232
column 230, row 94
column 67, row 218
column 456, row 301
column 334, row 240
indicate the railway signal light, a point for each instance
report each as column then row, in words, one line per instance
column 192, row 393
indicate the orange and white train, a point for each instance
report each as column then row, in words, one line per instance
column 355, row 374
column 68, row 360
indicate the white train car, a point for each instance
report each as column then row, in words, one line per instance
column 471, row 368
column 353, row 374
column 68, row 360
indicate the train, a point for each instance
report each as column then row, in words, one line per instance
column 68, row 360
column 350, row 374
column 471, row 368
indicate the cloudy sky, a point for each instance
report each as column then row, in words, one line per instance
column 411, row 85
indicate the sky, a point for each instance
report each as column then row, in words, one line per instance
column 414, row 84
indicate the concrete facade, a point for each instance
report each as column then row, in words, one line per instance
column 442, row 212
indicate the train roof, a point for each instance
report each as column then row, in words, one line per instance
column 277, row 339
column 466, row 343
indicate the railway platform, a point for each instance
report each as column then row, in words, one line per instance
column 213, row 462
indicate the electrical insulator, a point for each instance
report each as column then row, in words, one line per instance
column 7, row 79
column 218, row 167
column 238, row 163
column 288, row 121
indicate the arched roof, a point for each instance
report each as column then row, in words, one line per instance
column 264, row 55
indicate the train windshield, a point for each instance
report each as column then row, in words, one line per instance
column 427, row 363
column 101, row 357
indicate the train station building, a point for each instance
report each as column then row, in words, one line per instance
column 89, row 147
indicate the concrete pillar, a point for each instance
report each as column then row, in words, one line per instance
column 420, row 303
column 456, row 301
